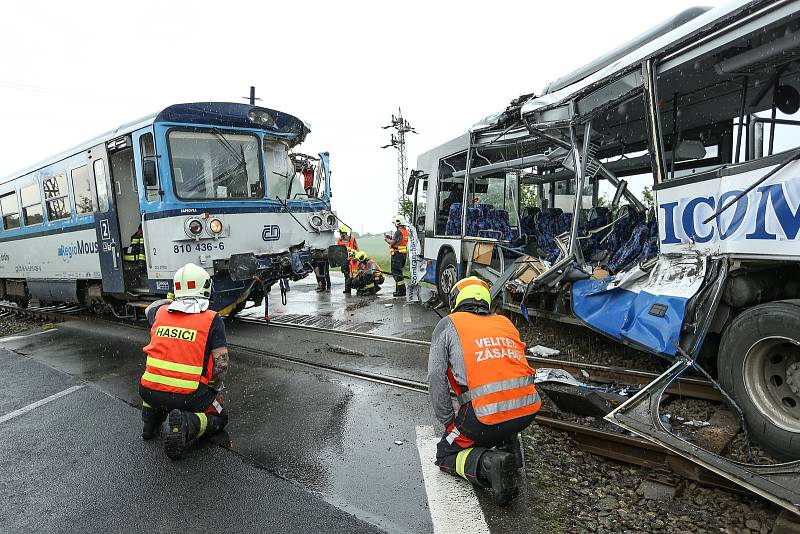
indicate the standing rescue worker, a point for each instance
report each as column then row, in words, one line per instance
column 481, row 357
column 349, row 241
column 134, row 253
column 187, row 358
column 368, row 275
column 398, row 249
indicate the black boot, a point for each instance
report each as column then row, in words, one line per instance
column 182, row 430
column 152, row 420
column 513, row 445
column 347, row 287
column 399, row 290
column 320, row 286
column 496, row 470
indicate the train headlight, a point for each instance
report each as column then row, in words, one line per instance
column 215, row 226
column 262, row 117
column 331, row 220
column 193, row 227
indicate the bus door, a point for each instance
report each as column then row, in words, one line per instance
column 106, row 224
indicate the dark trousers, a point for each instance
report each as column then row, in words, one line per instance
column 205, row 403
column 460, row 450
column 398, row 262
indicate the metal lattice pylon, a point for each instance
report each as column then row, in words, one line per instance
column 402, row 127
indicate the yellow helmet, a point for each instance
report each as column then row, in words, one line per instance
column 361, row 255
column 398, row 219
column 344, row 229
column 192, row 281
column 470, row 290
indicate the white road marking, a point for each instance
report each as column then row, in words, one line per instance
column 406, row 314
column 33, row 406
column 14, row 338
column 452, row 501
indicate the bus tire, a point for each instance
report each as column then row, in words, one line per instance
column 759, row 366
column 446, row 276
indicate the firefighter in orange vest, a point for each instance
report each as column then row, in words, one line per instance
column 187, row 358
column 480, row 356
column 398, row 248
column 347, row 239
column 368, row 275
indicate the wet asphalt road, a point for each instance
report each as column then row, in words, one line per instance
column 305, row 449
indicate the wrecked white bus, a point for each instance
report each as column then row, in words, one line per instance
column 704, row 107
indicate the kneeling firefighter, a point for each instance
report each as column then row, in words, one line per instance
column 480, row 355
column 187, row 358
column 368, row 275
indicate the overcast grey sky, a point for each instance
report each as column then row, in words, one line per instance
column 71, row 71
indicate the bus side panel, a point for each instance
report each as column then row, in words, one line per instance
column 646, row 309
column 765, row 222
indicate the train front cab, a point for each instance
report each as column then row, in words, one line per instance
column 209, row 186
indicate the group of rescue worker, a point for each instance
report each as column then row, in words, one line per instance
column 475, row 353
column 363, row 273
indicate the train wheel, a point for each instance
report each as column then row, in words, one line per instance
column 759, row 365
column 447, row 277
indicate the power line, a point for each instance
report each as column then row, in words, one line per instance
column 402, row 127
column 70, row 94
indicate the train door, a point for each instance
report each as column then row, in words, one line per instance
column 124, row 192
column 106, row 225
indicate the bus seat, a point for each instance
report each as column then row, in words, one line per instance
column 630, row 250
column 453, row 226
column 598, row 217
column 474, row 222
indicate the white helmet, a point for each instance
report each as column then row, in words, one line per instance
column 397, row 220
column 192, row 281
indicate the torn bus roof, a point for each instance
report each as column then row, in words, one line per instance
column 686, row 33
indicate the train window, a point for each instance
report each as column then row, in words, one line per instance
column 31, row 204
column 82, row 190
column 101, row 185
column 10, row 209
column 55, row 195
column 215, row 165
column 148, row 152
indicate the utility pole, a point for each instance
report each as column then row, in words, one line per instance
column 252, row 98
column 402, row 127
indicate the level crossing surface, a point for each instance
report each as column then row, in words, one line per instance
column 305, row 448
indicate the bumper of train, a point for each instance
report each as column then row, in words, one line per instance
column 235, row 278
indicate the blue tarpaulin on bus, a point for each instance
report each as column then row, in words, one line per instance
column 649, row 320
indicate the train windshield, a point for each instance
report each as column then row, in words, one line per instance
column 215, row 165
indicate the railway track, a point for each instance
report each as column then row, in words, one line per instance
column 615, row 445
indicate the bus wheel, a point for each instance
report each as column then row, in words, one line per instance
column 759, row 365
column 447, row 277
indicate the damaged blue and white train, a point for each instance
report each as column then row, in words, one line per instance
column 704, row 261
column 106, row 224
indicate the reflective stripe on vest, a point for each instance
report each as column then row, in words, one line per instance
column 500, row 383
column 176, row 352
column 402, row 246
column 494, row 387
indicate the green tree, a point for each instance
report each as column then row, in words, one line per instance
column 406, row 208
column 647, row 195
column 527, row 195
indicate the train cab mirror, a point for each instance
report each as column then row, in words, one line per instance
column 149, row 172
